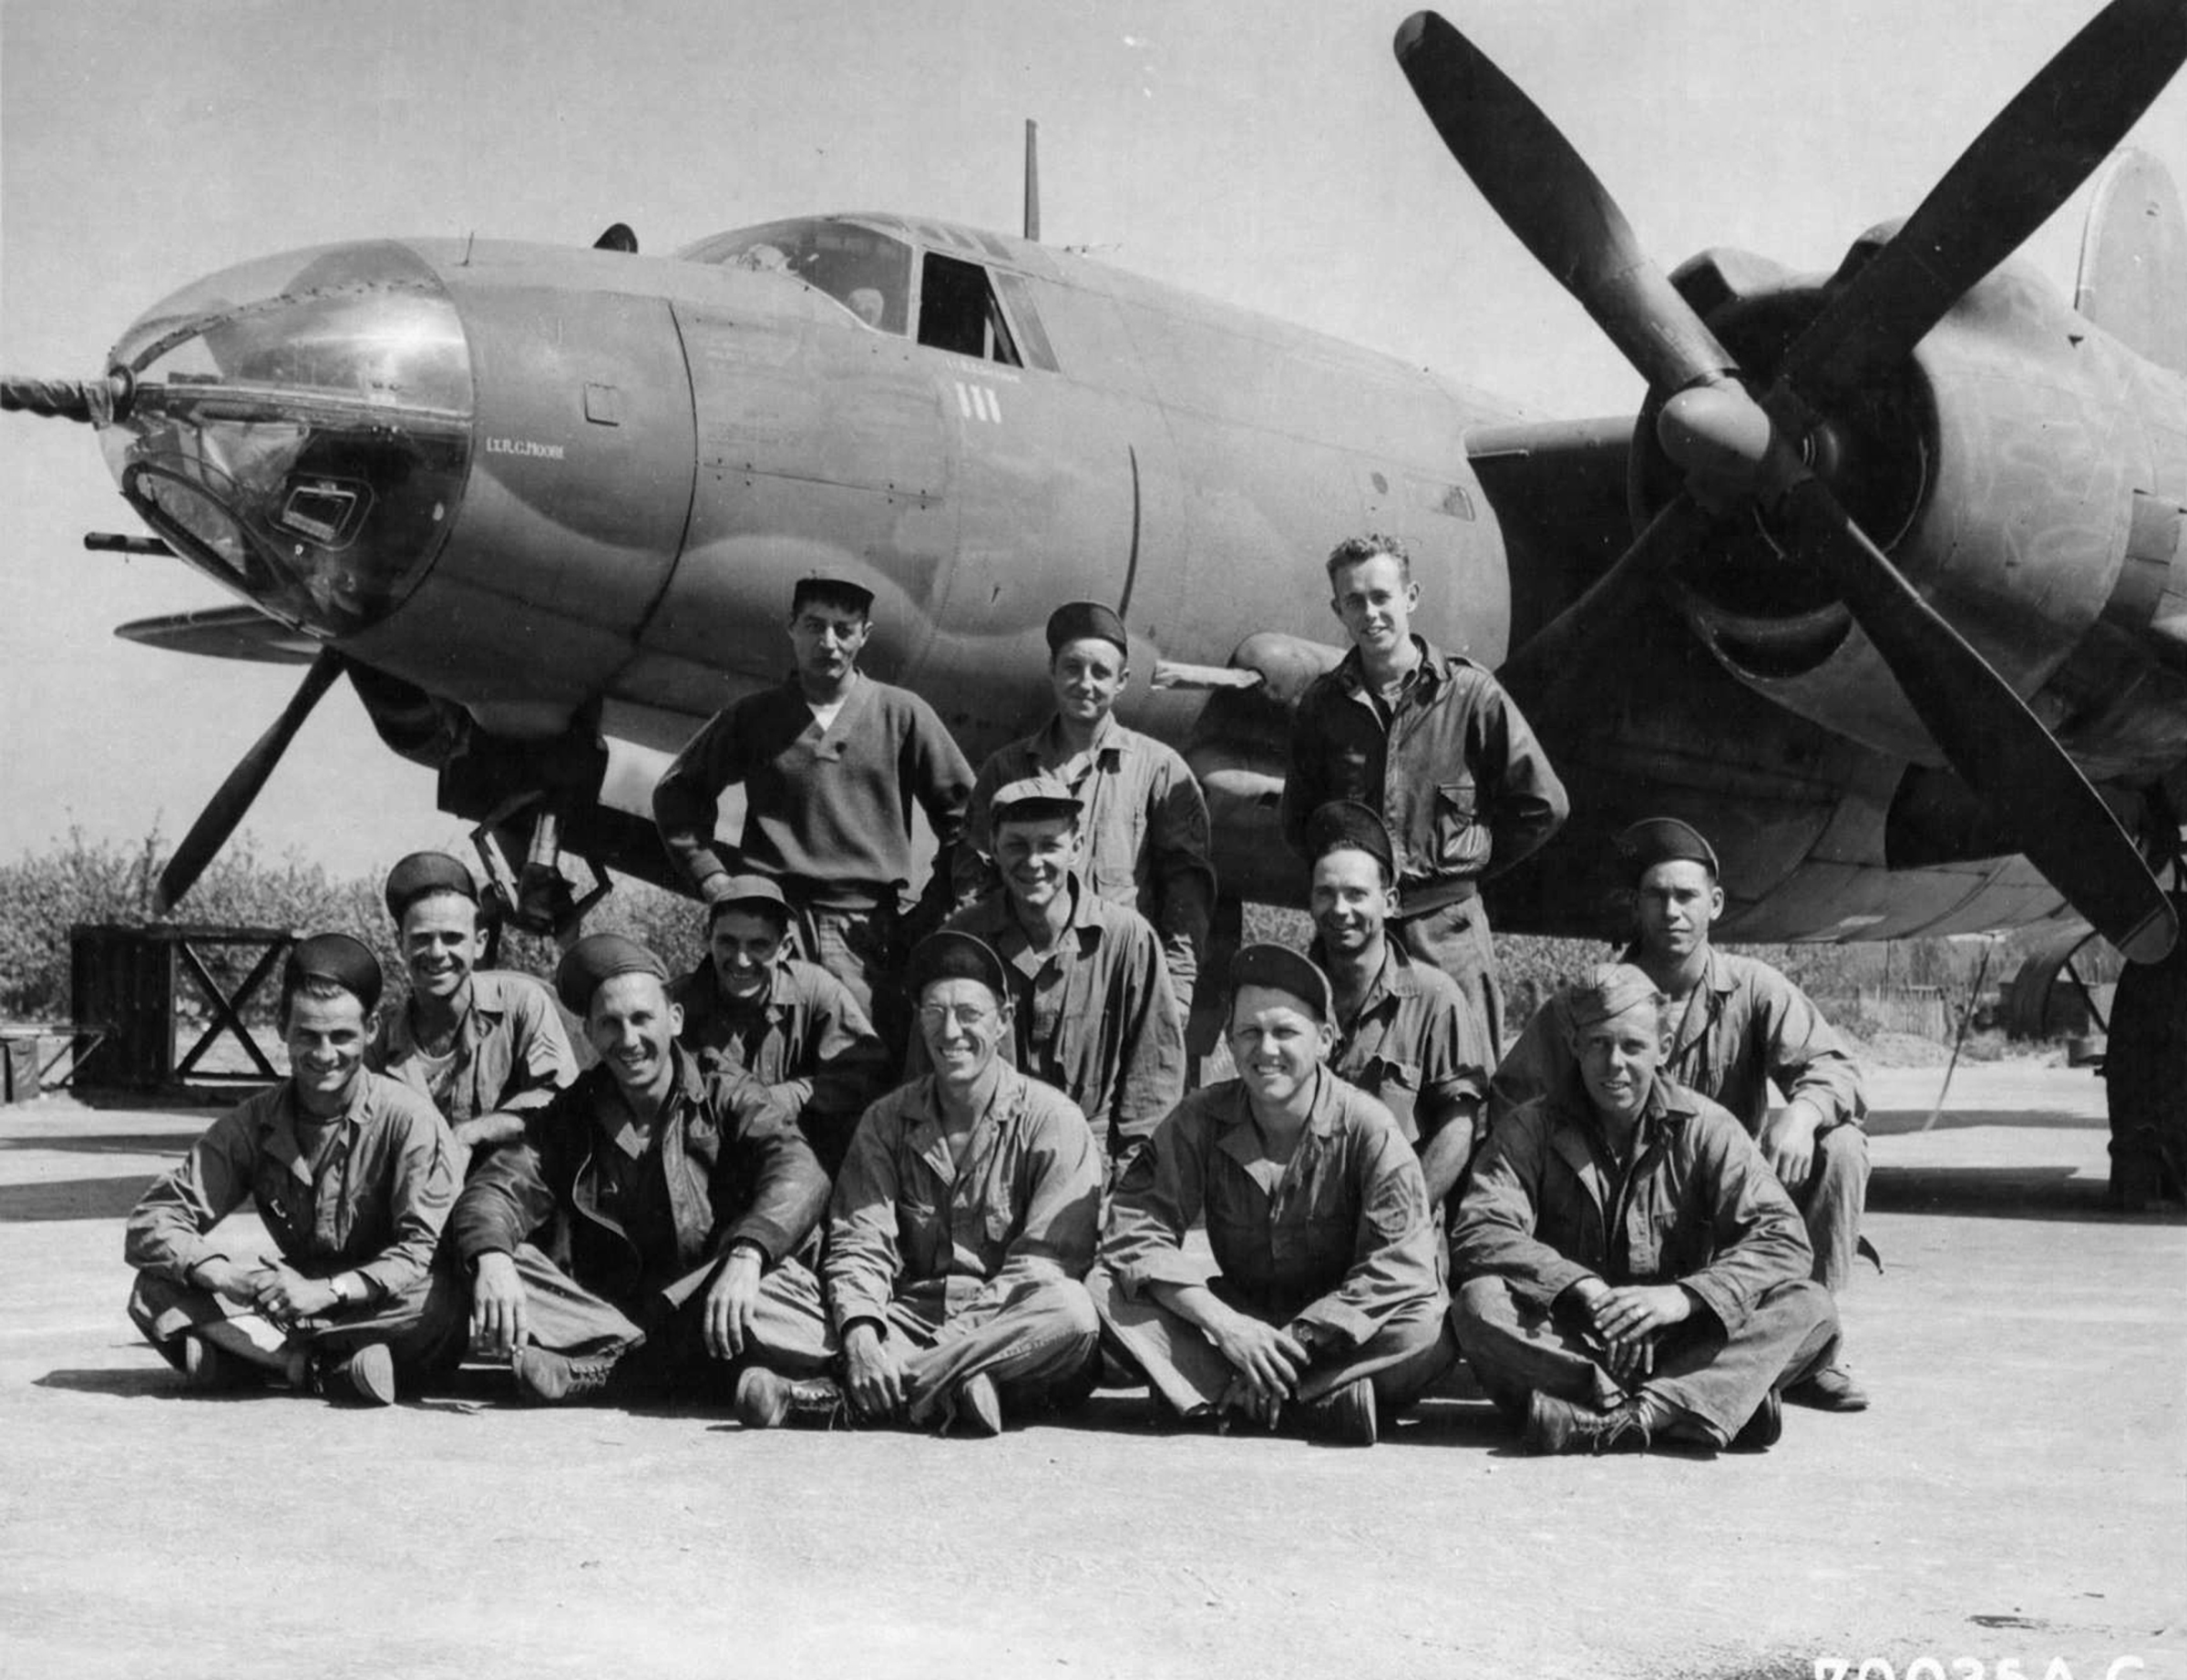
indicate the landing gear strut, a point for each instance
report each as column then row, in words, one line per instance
column 2145, row 1065
column 538, row 898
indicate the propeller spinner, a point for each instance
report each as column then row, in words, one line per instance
column 1740, row 452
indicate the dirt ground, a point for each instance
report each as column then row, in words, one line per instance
column 2017, row 1498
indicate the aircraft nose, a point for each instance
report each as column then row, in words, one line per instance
column 300, row 428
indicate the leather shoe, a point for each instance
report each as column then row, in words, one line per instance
column 1558, row 1426
column 766, row 1400
column 548, row 1378
column 1345, row 1415
column 365, row 1376
column 1832, row 1389
column 1764, row 1429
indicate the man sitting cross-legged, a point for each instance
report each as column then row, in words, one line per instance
column 1326, row 1310
column 353, row 1174
column 626, row 1241
column 962, row 1224
column 1630, row 1269
column 790, row 1024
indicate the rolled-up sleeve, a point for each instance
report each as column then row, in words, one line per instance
column 1501, row 1212
column 167, row 1229
column 1393, row 1251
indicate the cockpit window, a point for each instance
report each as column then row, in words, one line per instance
column 958, row 312
column 869, row 273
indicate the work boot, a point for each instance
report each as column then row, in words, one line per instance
column 366, row 1376
column 1558, row 1426
column 1344, row 1415
column 972, row 1403
column 1764, row 1429
column 1832, row 1389
column 549, row 1378
column 207, row 1369
column 767, row 1399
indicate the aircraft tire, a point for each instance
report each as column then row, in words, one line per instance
column 2145, row 1067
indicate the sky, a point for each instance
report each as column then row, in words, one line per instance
column 1266, row 152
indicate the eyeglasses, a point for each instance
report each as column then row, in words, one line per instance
column 934, row 1017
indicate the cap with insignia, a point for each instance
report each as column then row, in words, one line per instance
column 951, row 955
column 832, row 592
column 1608, row 992
column 1032, row 798
column 594, row 960
column 1079, row 619
column 1663, row 840
column 336, row 957
column 1346, row 823
column 1282, row 970
column 426, row 872
column 745, row 892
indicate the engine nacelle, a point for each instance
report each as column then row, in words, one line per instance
column 2026, row 471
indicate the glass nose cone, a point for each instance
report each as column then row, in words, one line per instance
column 301, row 429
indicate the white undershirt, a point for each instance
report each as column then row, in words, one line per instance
column 826, row 715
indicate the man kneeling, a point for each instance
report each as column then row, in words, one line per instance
column 962, row 1224
column 353, row 1174
column 1630, row 1269
column 626, row 1237
column 1326, row 1308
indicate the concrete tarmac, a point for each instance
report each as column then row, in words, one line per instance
column 2015, row 1504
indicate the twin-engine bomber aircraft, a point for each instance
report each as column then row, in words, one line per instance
column 1885, row 589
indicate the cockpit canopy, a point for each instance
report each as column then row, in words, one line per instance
column 869, row 273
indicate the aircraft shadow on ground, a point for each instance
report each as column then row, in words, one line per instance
column 72, row 1198
column 1897, row 1122
column 2003, row 1192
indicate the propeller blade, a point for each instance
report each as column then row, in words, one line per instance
column 2031, row 159
column 1546, row 195
column 1573, row 642
column 228, row 807
column 1999, row 747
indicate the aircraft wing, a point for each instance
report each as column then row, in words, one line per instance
column 224, row 634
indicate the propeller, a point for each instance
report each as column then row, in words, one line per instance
column 1738, row 452
column 228, row 807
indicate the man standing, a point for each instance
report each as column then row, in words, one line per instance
column 1740, row 1025
column 962, row 1225
column 1327, row 1310
column 647, row 1210
column 1144, row 819
column 791, row 1025
column 1630, row 1269
column 1092, row 1009
column 832, row 764
column 486, row 1047
column 1432, row 743
column 353, row 1175
column 1403, row 1034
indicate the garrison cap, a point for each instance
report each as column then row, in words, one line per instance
column 742, row 892
column 336, row 957
column 832, row 591
column 1346, row 823
column 1285, row 970
column 596, row 959
column 426, row 872
column 951, row 955
column 1661, row 840
column 1030, row 798
column 1609, row 991
column 1078, row 620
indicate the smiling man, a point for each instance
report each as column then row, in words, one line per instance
column 1630, row 1272
column 1738, row 1026
column 961, row 1226
column 353, row 1175
column 624, row 1245
column 790, row 1024
column 1143, row 816
column 834, row 764
column 1091, row 1007
column 1433, row 746
column 484, row 1047
column 1403, row 1034
column 1326, row 1311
